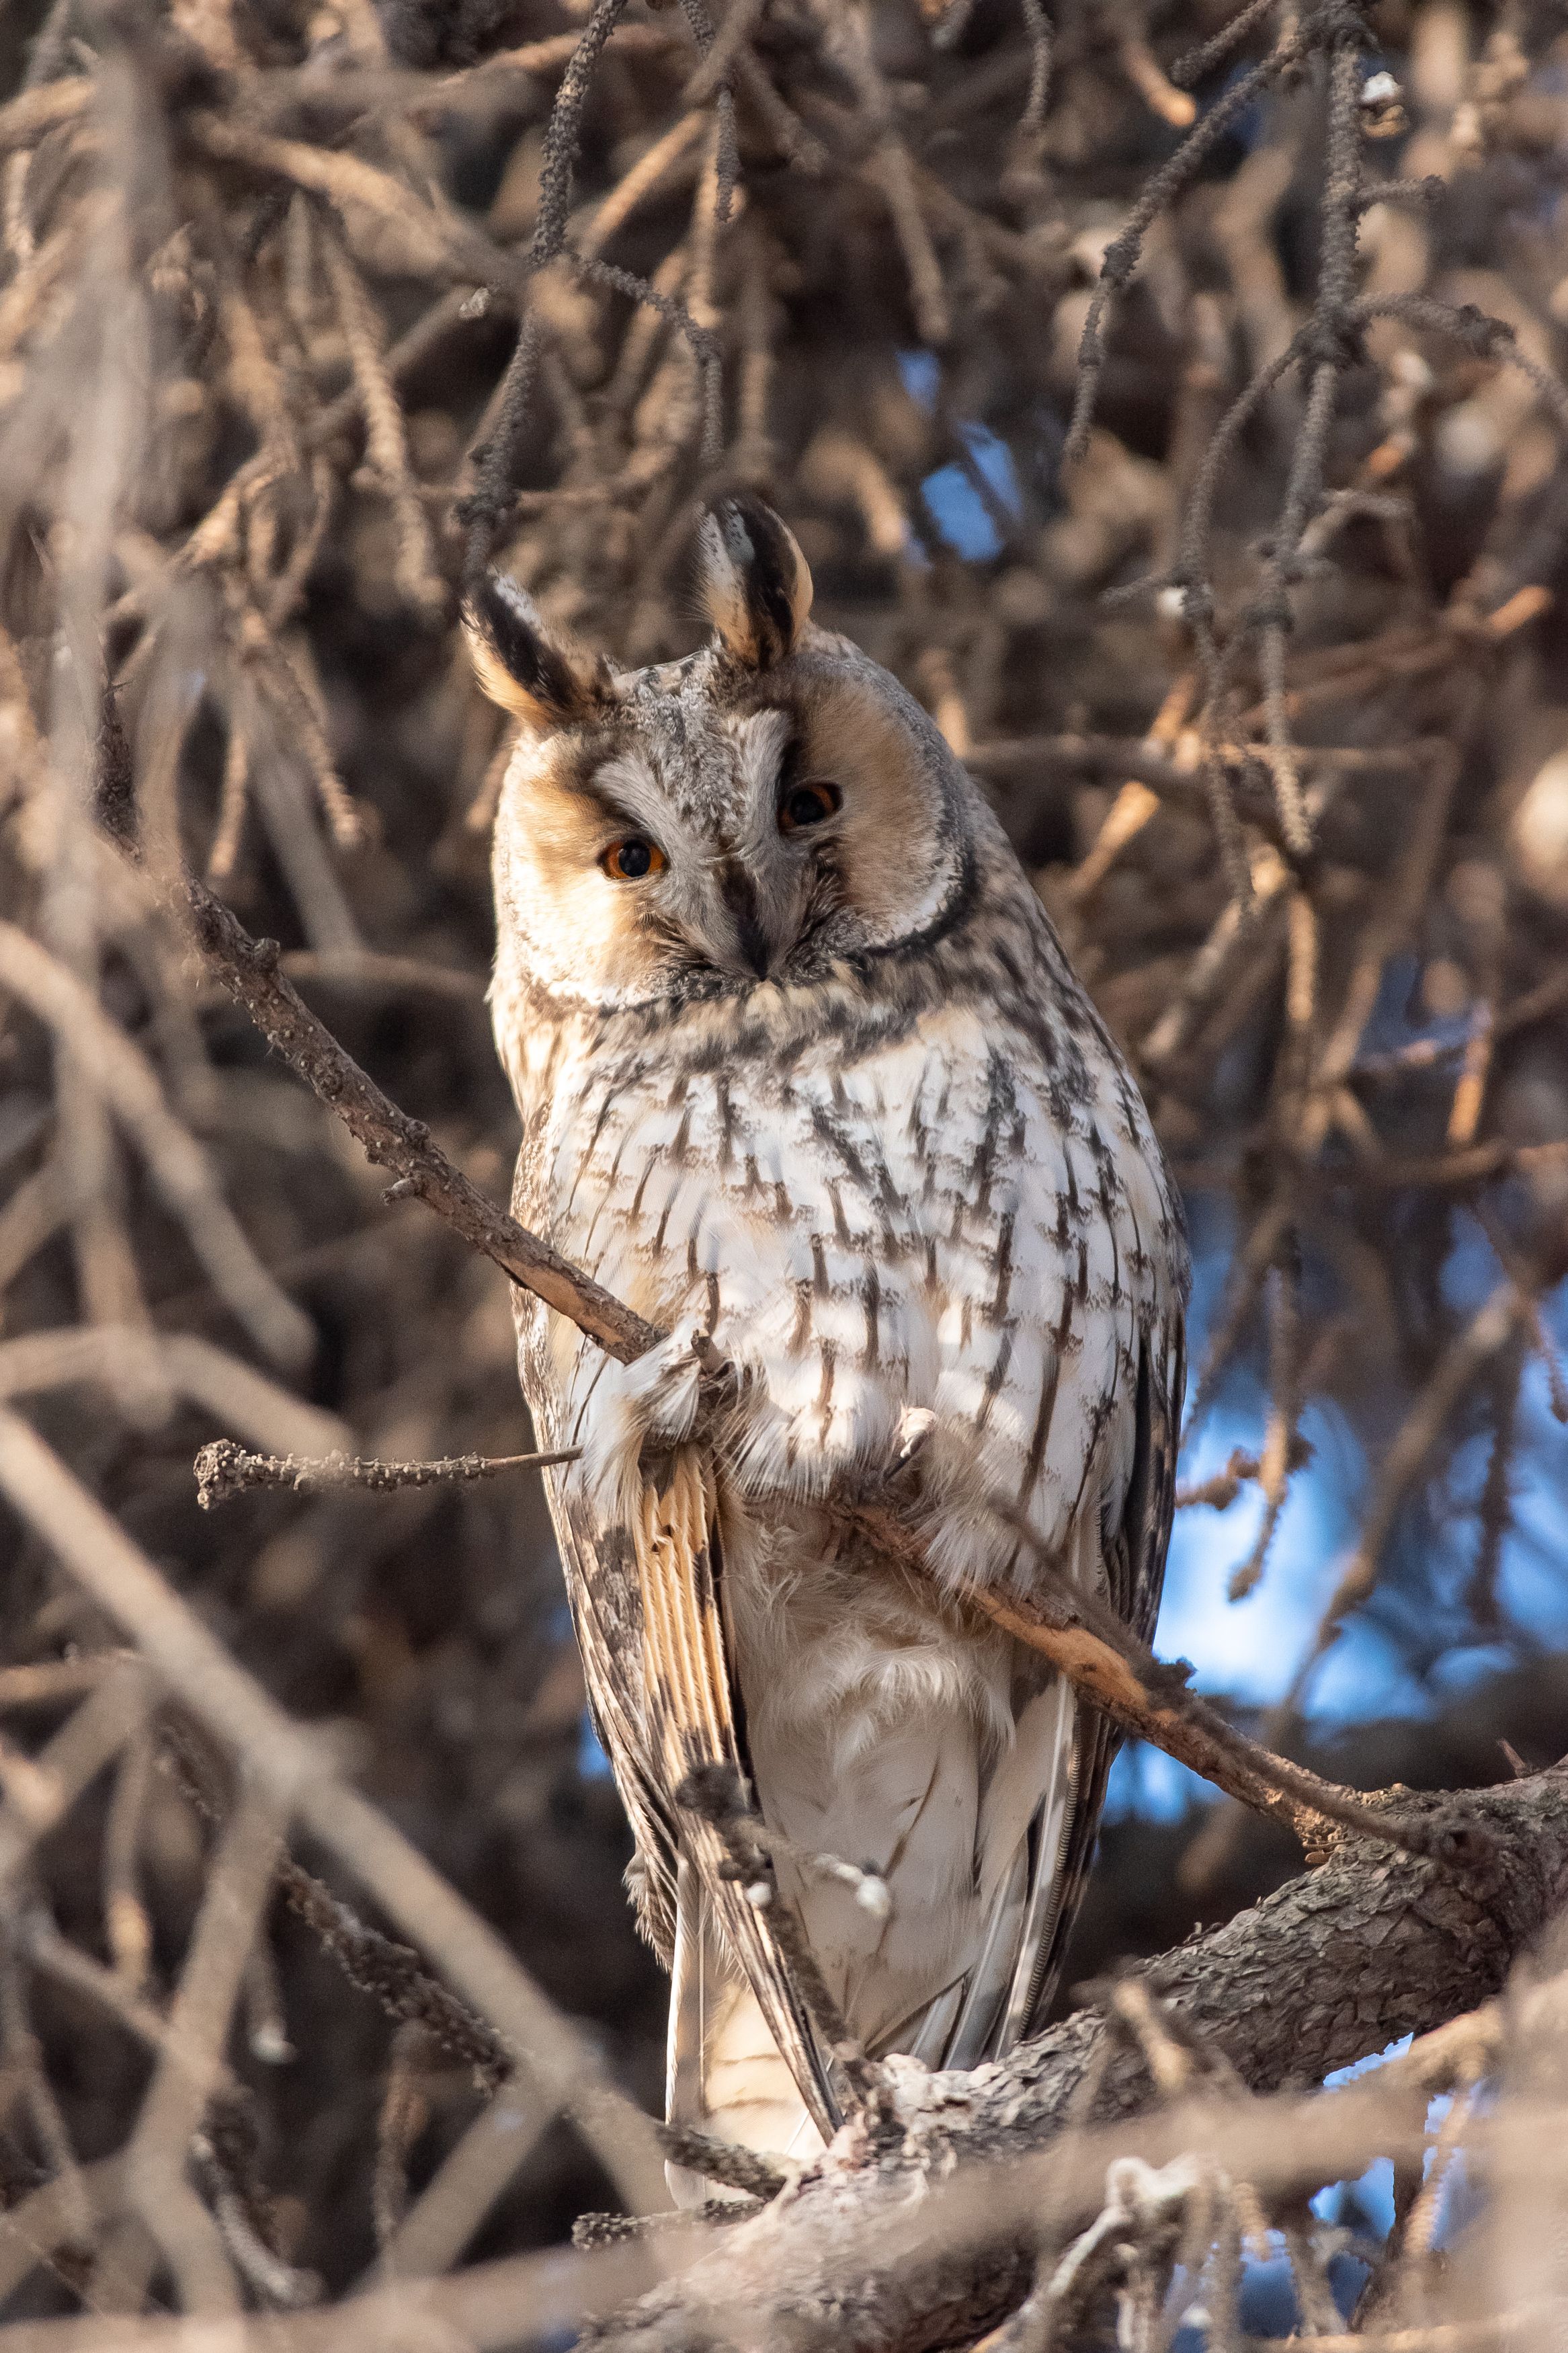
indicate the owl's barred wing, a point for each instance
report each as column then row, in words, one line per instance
column 1135, row 1559
column 1135, row 1553
column 602, row 1590
column 690, row 1722
column 646, row 1605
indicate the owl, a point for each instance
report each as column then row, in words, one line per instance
column 805, row 1077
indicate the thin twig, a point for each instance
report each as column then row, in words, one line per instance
column 225, row 1469
column 191, row 1663
column 1104, row 1659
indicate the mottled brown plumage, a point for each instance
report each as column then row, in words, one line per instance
column 802, row 1066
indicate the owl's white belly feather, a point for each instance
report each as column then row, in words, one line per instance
column 934, row 1235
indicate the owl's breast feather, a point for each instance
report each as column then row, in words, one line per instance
column 940, row 1227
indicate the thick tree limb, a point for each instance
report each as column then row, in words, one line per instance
column 871, row 2251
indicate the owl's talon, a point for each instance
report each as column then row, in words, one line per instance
column 915, row 1426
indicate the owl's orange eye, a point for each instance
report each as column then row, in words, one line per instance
column 634, row 859
column 807, row 805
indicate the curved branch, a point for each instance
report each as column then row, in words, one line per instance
column 1149, row 1699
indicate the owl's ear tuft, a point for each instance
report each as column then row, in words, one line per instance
column 531, row 669
column 754, row 584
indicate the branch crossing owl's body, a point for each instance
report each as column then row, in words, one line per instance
column 802, row 1067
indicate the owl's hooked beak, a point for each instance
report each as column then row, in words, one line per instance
column 757, row 949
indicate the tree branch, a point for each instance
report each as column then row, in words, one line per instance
column 1142, row 1695
column 1149, row 1699
column 248, row 969
column 873, row 2249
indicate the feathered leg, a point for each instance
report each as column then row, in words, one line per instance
column 725, row 2075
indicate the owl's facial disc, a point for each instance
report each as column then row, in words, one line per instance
column 679, row 846
column 755, row 814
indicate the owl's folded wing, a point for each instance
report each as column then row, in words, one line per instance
column 604, row 1589
column 1135, row 1563
column 646, row 1608
column 1135, row 1552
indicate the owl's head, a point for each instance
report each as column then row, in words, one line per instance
column 756, row 815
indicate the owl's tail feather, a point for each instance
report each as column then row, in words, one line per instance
column 726, row 2076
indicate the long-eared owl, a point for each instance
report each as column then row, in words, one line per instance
column 803, row 1069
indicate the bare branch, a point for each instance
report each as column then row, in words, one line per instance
column 193, row 1665
column 249, row 971
column 225, row 1469
column 125, row 1080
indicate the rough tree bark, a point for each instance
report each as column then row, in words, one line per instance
column 1344, row 1959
